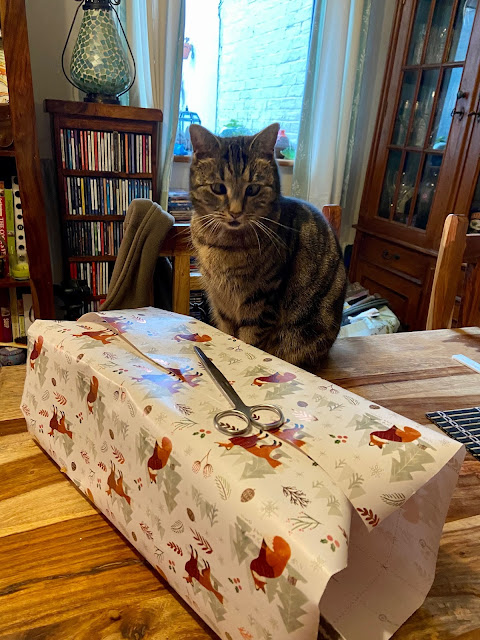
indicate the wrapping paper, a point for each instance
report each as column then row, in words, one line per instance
column 339, row 511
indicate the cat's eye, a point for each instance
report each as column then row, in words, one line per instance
column 252, row 189
column 219, row 188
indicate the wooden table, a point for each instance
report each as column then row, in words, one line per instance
column 66, row 574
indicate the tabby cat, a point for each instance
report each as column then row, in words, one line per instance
column 271, row 266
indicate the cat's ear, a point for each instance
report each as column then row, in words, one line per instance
column 264, row 142
column 203, row 142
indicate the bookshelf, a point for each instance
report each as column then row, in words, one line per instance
column 21, row 158
column 105, row 157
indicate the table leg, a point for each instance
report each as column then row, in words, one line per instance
column 181, row 284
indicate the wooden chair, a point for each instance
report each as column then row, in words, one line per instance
column 456, row 247
column 178, row 246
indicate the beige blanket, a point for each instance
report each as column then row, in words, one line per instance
column 132, row 283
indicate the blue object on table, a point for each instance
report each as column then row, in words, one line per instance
column 463, row 425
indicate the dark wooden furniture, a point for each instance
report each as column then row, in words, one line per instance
column 456, row 247
column 425, row 156
column 54, row 542
column 22, row 158
column 100, row 118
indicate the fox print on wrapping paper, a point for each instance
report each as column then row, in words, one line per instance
column 37, row 349
column 92, row 394
column 271, row 561
column 394, row 434
column 159, row 458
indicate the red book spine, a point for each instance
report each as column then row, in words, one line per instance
column 5, row 316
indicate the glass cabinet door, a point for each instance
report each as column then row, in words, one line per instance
column 430, row 83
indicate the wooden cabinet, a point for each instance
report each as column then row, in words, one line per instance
column 22, row 157
column 425, row 156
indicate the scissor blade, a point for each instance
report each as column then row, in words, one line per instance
column 219, row 378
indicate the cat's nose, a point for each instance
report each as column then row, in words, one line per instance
column 235, row 214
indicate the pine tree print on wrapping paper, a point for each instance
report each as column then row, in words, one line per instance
column 170, row 479
column 242, row 545
column 41, row 366
column 371, row 518
column 82, row 385
column 207, row 509
column 365, row 421
column 411, row 460
column 99, row 412
column 143, row 446
column 282, row 390
column 61, row 374
column 292, row 602
column 121, row 427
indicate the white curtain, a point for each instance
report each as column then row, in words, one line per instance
column 155, row 29
column 341, row 30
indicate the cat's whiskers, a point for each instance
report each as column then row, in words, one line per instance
column 279, row 224
column 272, row 234
column 269, row 235
column 255, row 232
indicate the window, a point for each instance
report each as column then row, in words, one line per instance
column 244, row 67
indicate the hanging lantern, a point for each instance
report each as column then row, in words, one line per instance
column 99, row 64
column 183, row 145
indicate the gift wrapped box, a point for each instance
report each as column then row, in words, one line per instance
column 338, row 512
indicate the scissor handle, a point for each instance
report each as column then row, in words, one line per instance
column 248, row 419
column 229, row 430
column 268, row 407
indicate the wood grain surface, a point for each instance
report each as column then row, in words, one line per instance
column 67, row 574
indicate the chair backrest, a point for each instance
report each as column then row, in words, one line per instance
column 333, row 213
column 456, row 247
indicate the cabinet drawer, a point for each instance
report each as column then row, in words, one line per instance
column 404, row 296
column 393, row 258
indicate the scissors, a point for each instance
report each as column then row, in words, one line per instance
column 248, row 415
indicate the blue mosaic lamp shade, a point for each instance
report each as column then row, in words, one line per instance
column 99, row 64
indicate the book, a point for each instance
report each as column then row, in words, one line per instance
column 5, row 316
column 14, row 320
column 3, row 223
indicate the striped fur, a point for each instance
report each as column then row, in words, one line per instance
column 272, row 266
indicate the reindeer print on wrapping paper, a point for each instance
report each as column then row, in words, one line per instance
column 249, row 443
column 202, row 577
column 290, row 434
column 172, row 381
column 116, row 485
column 275, row 378
column 59, row 425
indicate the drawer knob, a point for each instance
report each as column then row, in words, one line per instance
column 386, row 255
